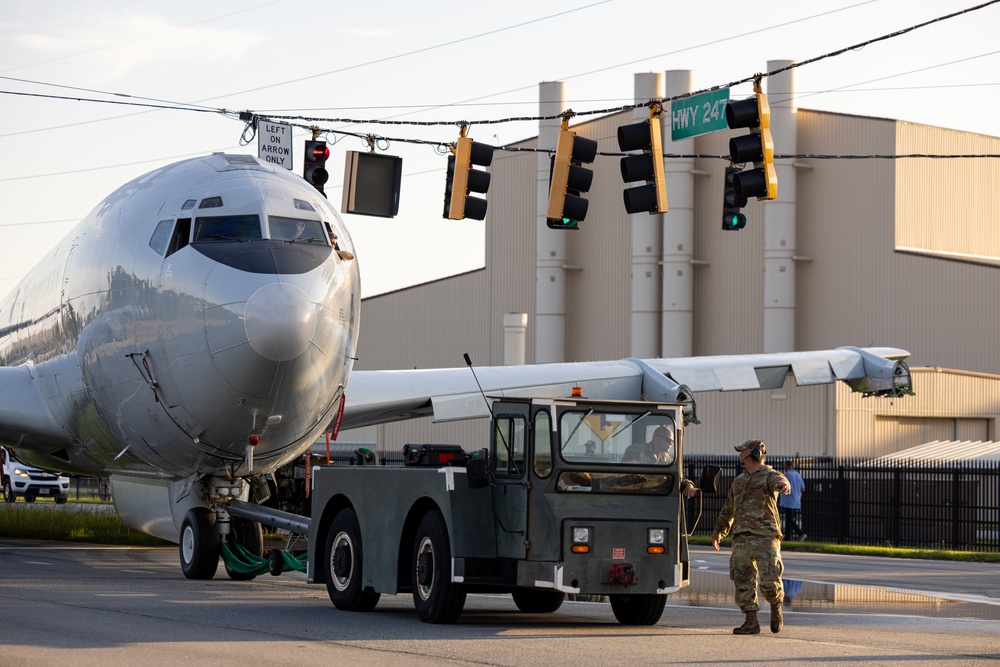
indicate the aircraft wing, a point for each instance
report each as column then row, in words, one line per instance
column 456, row 393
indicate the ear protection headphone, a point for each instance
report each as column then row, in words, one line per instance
column 756, row 452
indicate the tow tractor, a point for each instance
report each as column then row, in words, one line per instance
column 552, row 507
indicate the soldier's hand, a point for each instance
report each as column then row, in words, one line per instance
column 715, row 542
column 784, row 488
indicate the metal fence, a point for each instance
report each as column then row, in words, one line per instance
column 929, row 505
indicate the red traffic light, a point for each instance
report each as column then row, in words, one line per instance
column 318, row 152
column 313, row 170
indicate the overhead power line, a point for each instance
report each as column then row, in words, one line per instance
column 310, row 122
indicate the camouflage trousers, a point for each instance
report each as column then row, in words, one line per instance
column 756, row 558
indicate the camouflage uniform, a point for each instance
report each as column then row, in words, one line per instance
column 751, row 510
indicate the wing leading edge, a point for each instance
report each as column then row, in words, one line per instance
column 452, row 393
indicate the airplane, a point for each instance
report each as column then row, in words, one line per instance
column 198, row 330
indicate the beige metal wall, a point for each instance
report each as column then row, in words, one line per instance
column 942, row 204
column 949, row 405
column 858, row 288
column 793, row 420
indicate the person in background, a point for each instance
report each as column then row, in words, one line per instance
column 790, row 505
column 751, row 511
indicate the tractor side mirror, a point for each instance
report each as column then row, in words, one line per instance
column 709, row 482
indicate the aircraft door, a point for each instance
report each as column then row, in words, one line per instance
column 510, row 492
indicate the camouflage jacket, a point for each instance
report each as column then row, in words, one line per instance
column 752, row 505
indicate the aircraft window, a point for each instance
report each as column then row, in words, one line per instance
column 227, row 228
column 161, row 236
column 296, row 229
column 210, row 202
column 304, row 205
column 189, row 204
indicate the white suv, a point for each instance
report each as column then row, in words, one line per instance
column 22, row 480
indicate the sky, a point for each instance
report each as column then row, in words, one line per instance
column 412, row 63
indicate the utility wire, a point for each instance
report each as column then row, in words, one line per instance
column 309, row 123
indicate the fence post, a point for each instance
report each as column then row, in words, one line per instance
column 845, row 506
column 897, row 501
column 956, row 512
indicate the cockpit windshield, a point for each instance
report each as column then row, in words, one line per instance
column 297, row 230
column 227, row 228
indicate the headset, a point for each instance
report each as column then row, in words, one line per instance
column 756, row 450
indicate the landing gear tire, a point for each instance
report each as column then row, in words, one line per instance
column 537, row 602
column 251, row 537
column 638, row 609
column 344, row 558
column 436, row 598
column 199, row 545
column 8, row 492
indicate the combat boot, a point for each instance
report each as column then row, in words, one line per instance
column 750, row 626
column 776, row 620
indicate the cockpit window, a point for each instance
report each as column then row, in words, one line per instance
column 304, row 205
column 297, row 230
column 227, row 228
column 161, row 236
column 211, row 202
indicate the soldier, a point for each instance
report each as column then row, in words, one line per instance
column 751, row 510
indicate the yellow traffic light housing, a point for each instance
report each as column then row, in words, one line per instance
column 566, row 208
column 757, row 147
column 463, row 179
column 648, row 167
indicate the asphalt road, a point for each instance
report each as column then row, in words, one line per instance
column 85, row 605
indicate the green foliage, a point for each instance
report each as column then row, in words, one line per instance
column 71, row 522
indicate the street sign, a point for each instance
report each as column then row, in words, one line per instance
column 699, row 114
column 274, row 143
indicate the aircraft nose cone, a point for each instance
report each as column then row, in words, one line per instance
column 280, row 321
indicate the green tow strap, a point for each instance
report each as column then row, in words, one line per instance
column 240, row 560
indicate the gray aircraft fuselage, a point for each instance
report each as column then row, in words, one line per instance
column 197, row 308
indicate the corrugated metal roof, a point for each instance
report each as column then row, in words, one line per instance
column 946, row 450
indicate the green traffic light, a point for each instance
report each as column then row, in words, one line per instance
column 736, row 221
column 564, row 223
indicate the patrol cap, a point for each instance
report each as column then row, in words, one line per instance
column 752, row 443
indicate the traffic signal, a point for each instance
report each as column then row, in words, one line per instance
column 757, row 147
column 645, row 136
column 314, row 168
column 462, row 179
column 566, row 208
column 732, row 219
